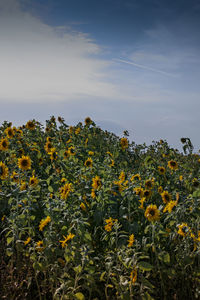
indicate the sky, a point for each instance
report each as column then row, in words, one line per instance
column 128, row 64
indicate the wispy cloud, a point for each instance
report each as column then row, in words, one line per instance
column 144, row 67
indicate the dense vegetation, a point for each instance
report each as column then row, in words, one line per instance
column 85, row 214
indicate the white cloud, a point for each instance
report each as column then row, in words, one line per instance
column 42, row 63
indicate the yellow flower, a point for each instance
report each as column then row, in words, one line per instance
column 109, row 153
column 88, row 162
column 96, row 183
column 4, row 144
column 183, row 229
column 139, row 191
column 124, row 143
column 82, row 206
column 136, row 177
column 112, row 163
column 53, row 154
column 71, row 151
column 91, row 153
column 88, row 121
column 30, row 125
column 65, row 190
column 172, row 164
column 160, row 189
column 166, row 197
column 27, row 241
column 40, row 246
column 152, row 213
column 131, row 240
column 48, row 146
column 169, row 206
column 33, row 181
column 44, row 222
column 142, row 202
column 161, row 170
column 181, row 178
column 147, row 194
column 133, row 276
column 93, row 194
column 122, row 176
column 149, row 184
column 66, row 239
column 77, row 131
column 23, row 185
column 9, row 132
column 109, row 223
column 24, row 163
column 3, row 171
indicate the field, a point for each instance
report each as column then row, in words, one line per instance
column 85, row 214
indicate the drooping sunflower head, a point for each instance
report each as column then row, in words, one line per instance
column 24, row 163
column 9, row 132
column 152, row 213
column 4, row 144
column 48, row 146
column 30, row 125
column 166, row 197
column 124, row 143
column 88, row 162
column 88, row 121
column 161, row 170
column 136, row 177
column 172, row 164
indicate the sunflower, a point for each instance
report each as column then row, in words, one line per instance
column 112, row 163
column 4, row 144
column 33, row 181
column 30, row 125
column 82, row 206
column 139, row 191
column 96, row 183
column 161, row 170
column 71, row 151
column 21, row 152
column 39, row 246
column 133, row 276
column 152, row 213
column 91, row 153
column 27, row 241
column 149, row 184
column 67, row 238
column 24, row 163
column 53, row 154
column 88, row 121
column 166, row 197
column 147, row 194
column 183, row 229
column 124, row 143
column 44, row 222
column 160, row 189
column 9, row 132
column 65, row 190
column 77, row 131
column 122, row 176
column 3, row 170
column 66, row 154
column 15, row 176
column 93, row 194
column 48, row 146
column 136, row 177
column 169, row 206
column 88, row 162
column 172, row 164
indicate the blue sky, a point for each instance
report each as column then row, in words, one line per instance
column 127, row 64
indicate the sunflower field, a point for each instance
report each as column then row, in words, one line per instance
column 85, row 214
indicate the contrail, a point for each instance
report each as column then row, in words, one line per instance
column 144, row 67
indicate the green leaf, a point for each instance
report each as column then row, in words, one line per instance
column 79, row 296
column 9, row 240
column 144, row 266
column 102, row 276
column 164, row 256
column 50, row 189
column 78, row 269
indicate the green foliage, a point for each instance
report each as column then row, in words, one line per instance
column 104, row 230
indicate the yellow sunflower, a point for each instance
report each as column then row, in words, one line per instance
column 96, row 182
column 149, row 184
column 9, row 132
column 124, row 143
column 136, row 177
column 53, row 154
column 88, row 162
column 152, row 213
column 44, row 222
column 161, row 170
column 183, row 229
column 4, row 144
column 3, row 171
column 65, row 190
column 24, row 163
column 131, row 240
column 30, row 125
column 172, row 164
column 48, row 146
column 166, row 197
column 67, row 238
column 33, row 181
column 147, row 194
column 88, row 121
column 71, row 151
